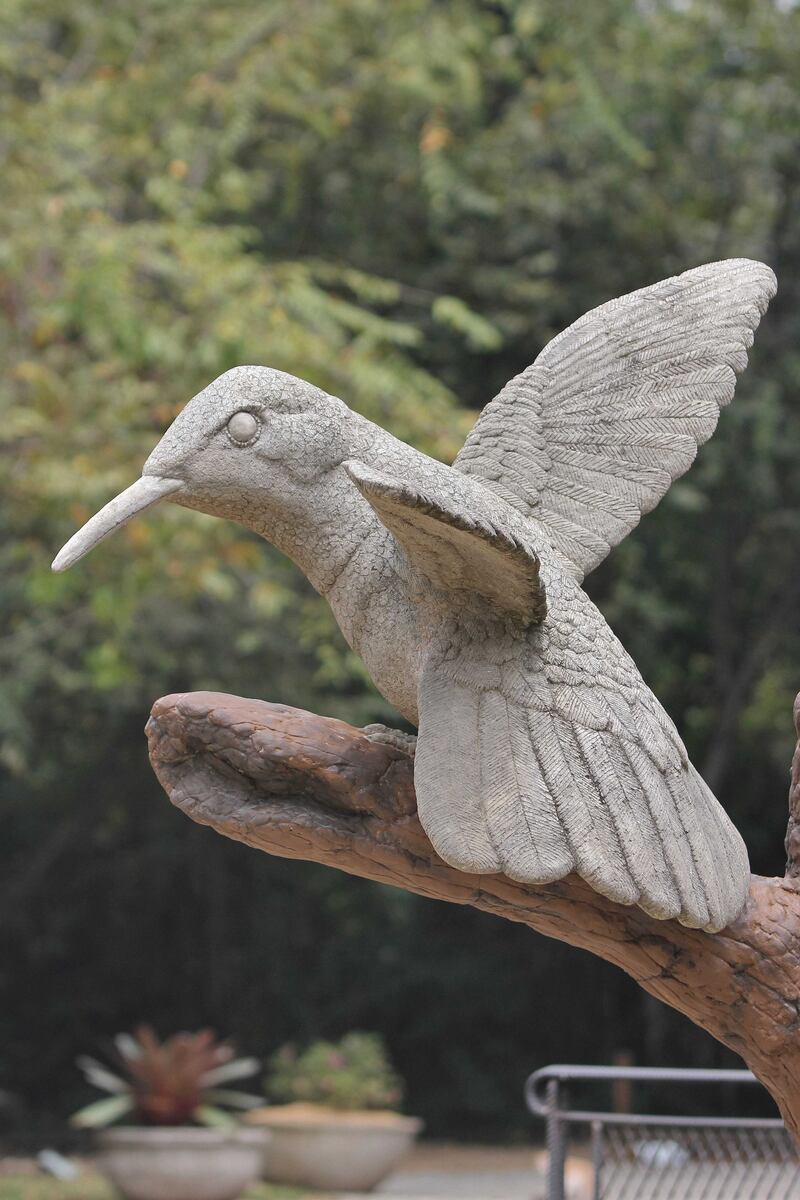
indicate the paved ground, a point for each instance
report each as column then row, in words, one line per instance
column 433, row 1172
column 465, row 1173
column 477, row 1185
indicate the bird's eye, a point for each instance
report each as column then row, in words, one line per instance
column 242, row 428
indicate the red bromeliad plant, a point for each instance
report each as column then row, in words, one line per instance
column 174, row 1082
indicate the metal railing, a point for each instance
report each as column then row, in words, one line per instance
column 648, row 1157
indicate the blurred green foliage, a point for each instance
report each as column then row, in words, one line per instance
column 401, row 202
column 353, row 1073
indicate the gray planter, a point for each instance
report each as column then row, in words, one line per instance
column 181, row 1163
column 329, row 1152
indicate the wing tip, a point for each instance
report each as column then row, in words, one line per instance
column 369, row 481
column 473, row 857
column 711, row 915
column 754, row 274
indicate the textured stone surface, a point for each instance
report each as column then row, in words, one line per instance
column 793, row 828
column 541, row 751
column 302, row 786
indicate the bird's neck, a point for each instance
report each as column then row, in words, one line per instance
column 324, row 526
column 322, row 543
column 350, row 558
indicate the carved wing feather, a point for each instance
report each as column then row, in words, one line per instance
column 456, row 550
column 538, row 757
column 591, row 436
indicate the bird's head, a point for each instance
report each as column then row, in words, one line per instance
column 250, row 446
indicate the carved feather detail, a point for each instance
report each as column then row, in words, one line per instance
column 541, row 750
column 591, row 436
column 457, row 551
column 520, row 772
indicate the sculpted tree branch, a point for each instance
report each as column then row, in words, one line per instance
column 302, row 786
column 793, row 828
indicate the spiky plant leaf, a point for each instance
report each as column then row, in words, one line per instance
column 100, row 1076
column 166, row 1082
column 128, row 1046
column 103, row 1112
column 239, row 1068
column 216, row 1118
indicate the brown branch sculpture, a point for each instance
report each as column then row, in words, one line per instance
column 303, row 786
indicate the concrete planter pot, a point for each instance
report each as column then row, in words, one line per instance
column 181, row 1163
column 328, row 1150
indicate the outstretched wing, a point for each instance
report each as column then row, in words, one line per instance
column 456, row 550
column 591, row 436
column 544, row 753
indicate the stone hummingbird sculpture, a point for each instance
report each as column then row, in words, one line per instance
column 541, row 751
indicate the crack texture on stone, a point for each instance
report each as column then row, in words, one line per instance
column 302, row 786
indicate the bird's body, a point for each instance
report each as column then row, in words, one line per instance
column 388, row 610
column 566, row 680
column 541, row 750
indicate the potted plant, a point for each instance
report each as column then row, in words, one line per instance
column 338, row 1128
column 182, row 1144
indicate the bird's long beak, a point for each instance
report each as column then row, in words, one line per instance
column 141, row 495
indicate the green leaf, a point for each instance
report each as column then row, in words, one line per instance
column 208, row 1114
column 102, row 1112
column 239, row 1068
column 100, row 1076
column 479, row 333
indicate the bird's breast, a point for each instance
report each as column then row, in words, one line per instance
column 382, row 623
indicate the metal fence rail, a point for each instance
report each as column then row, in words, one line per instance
column 641, row 1157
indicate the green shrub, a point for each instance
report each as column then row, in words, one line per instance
column 354, row 1073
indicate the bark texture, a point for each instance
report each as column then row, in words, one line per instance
column 793, row 828
column 303, row 786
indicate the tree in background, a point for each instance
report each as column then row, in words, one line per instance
column 401, row 203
